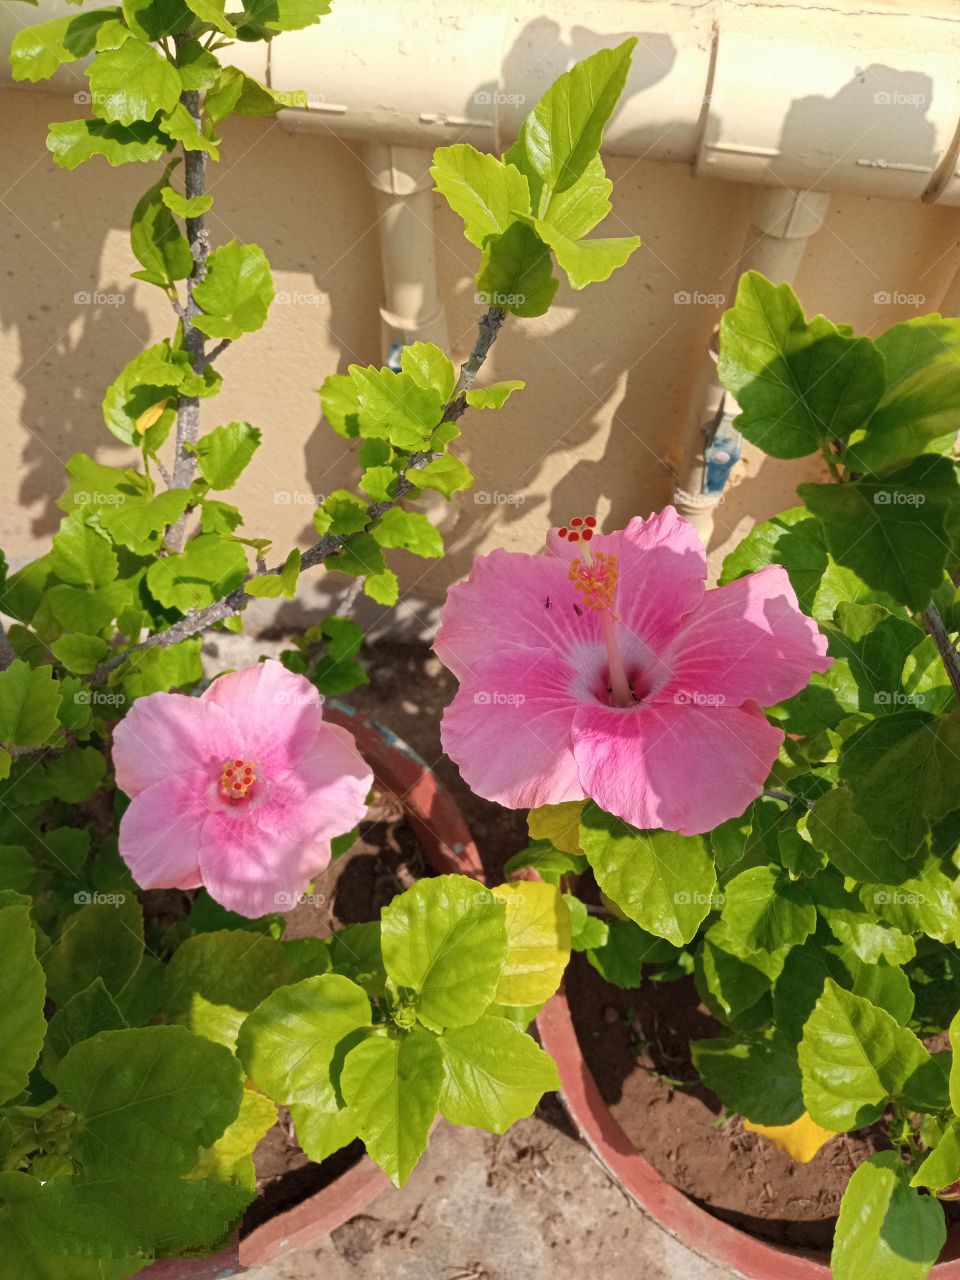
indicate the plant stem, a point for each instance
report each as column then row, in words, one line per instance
column 194, row 341
column 200, row 620
column 934, row 626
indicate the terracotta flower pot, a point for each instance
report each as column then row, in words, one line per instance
column 710, row 1237
column 442, row 833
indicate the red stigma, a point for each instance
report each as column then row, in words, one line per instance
column 591, row 522
column 587, row 534
column 574, row 537
column 563, row 532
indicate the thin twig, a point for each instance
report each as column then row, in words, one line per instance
column 200, row 620
column 218, row 350
column 935, row 627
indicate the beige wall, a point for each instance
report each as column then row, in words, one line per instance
column 609, row 371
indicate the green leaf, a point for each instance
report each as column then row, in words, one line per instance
column 182, row 207
column 22, row 988
column 212, row 11
column 74, row 142
column 757, row 1076
column 235, row 967
column 182, row 127
column 29, row 702
column 81, row 554
column 103, row 939
column 486, row 192
column 264, row 17
column 799, row 383
column 891, row 530
column 155, row 375
column 395, row 406
column 793, row 539
column 924, row 904
column 379, row 483
column 843, row 834
column 445, row 938
column 383, row 587
column 941, row 1168
column 341, row 512
column 38, row 50
column 913, row 418
column 586, row 261
column 199, row 70
column 323, row 1129
column 209, row 568
column 447, row 475
column 149, row 1094
column 355, row 953
column 35, row 1226
column 222, row 454
column 154, row 20
column 867, row 937
column 426, row 364
column 854, row 1059
column 236, row 292
column 339, row 400
column 140, row 523
column 901, row 769
column 663, row 881
column 764, row 910
column 516, row 272
column 538, row 942
column 157, row 242
column 392, row 1087
column 619, row 960
column 579, row 208
column 230, row 1157
column 493, row 396
column 81, row 654
column 562, row 134
column 494, row 1075
column 273, row 585
column 84, row 1015
column 409, row 530
column 807, row 968
column 132, row 83
column 289, row 1043
column 885, row 1229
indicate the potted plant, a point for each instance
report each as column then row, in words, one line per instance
column 163, row 823
column 750, row 796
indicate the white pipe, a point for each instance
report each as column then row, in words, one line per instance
column 782, row 223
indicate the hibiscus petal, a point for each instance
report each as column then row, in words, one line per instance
column 510, row 601
column 160, row 831
column 747, row 640
column 278, row 712
column 683, row 768
column 508, row 729
column 249, row 869
column 325, row 795
column 165, row 734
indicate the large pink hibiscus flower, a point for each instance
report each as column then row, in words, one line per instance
column 240, row 790
column 604, row 668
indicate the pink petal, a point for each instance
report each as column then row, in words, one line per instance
column 510, row 601
column 325, row 795
column 679, row 767
column 249, row 869
column 508, row 729
column 160, row 831
column 278, row 713
column 747, row 640
column 662, row 567
column 165, row 734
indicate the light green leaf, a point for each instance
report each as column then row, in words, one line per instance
column 493, row 396
column 912, row 418
column 80, row 654
column 81, row 554
column 409, row 530
column 103, row 939
column 236, row 292
column 74, row 142
column 38, row 50
column 891, row 530
column 184, row 208
column 941, row 1168
column 854, row 1059
column 273, row 585
column 209, row 568
column 180, row 125
column 22, row 988
column 289, row 1042
column 516, row 272
column 29, row 702
column 586, row 261
column 323, row 1129
column 885, row 1229
column 538, row 942
column 494, row 1074
column 223, row 453
column 84, row 1015
column 562, row 134
column 486, row 192
column 212, row 11
column 235, row 967
column 799, row 383
column 264, row 17
column 395, row 406
column 427, row 364
column 140, row 523
column 793, row 539
column 764, row 910
column 866, row 936
column 447, row 475
column 150, row 1094
column 579, row 208
column 199, row 70
column 132, row 83
column 663, row 881
column 154, row 20
column 445, row 939
column 231, row 1156
column 392, row 1087
column 158, row 243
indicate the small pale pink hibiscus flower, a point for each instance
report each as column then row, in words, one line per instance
column 240, row 790
column 604, row 669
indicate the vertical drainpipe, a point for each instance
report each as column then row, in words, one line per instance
column 412, row 310
column 782, row 222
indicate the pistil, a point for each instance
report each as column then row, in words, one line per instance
column 595, row 579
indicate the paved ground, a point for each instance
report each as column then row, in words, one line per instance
column 534, row 1203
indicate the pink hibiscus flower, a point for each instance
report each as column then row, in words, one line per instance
column 240, row 790
column 604, row 668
